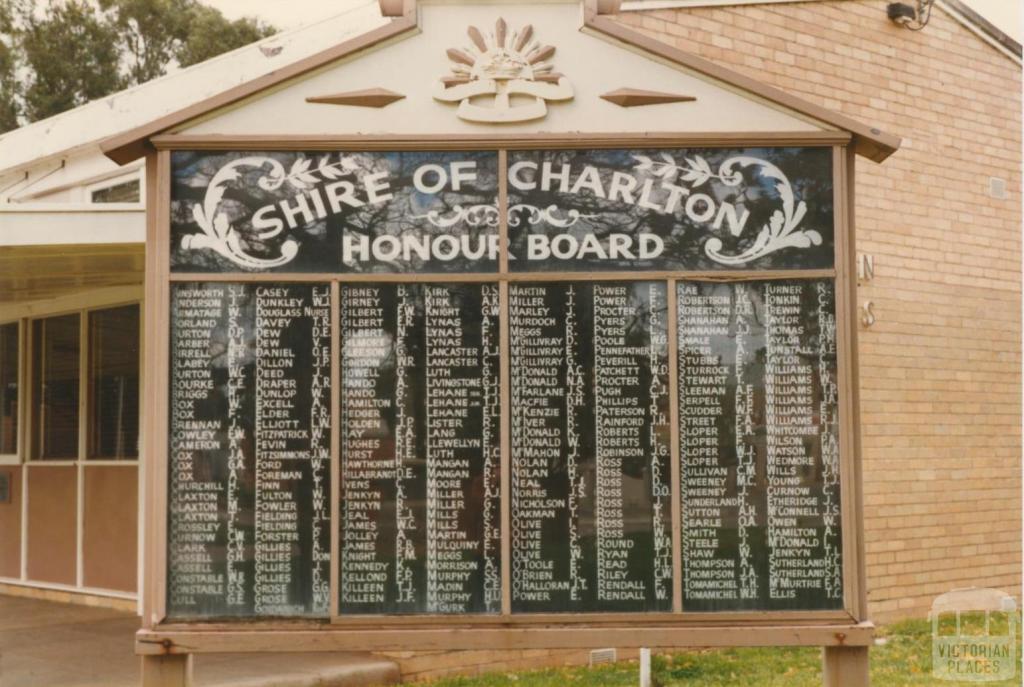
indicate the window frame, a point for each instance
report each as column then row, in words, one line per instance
column 33, row 410
column 88, row 438
column 84, row 396
column 680, row 628
column 111, row 182
column 24, row 314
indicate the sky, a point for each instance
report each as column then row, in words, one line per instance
column 1006, row 14
column 284, row 14
column 288, row 14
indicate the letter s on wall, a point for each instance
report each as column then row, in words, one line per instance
column 867, row 316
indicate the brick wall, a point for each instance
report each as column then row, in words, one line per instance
column 940, row 369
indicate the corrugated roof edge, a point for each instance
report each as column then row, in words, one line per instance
column 11, row 162
column 868, row 141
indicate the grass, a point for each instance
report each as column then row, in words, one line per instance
column 903, row 659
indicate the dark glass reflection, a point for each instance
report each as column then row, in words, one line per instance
column 675, row 209
column 55, row 387
column 759, row 444
column 591, row 521
column 346, row 212
column 249, row 487
column 9, row 388
column 420, row 500
column 114, row 383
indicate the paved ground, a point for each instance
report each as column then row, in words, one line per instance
column 47, row 644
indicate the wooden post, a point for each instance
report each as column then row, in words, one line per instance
column 845, row 666
column 167, row 670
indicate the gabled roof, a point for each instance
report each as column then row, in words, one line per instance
column 85, row 126
column 868, row 141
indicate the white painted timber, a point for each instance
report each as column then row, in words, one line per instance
column 75, row 223
column 414, row 65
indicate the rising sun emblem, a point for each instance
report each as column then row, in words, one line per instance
column 502, row 77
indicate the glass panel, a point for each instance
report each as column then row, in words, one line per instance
column 591, row 483
column 9, row 388
column 384, row 212
column 249, row 493
column 114, row 383
column 128, row 192
column 759, row 444
column 55, row 387
column 420, row 502
column 680, row 209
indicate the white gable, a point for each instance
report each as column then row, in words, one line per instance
column 413, row 65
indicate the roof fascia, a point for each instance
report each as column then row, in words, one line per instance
column 869, row 142
column 134, row 144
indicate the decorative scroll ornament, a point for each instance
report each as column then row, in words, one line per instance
column 498, row 66
column 218, row 233
column 780, row 232
column 471, row 215
column 536, row 215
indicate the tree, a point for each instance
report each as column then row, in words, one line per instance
column 156, row 33
column 149, row 32
column 210, row 34
column 72, row 51
column 9, row 87
column 72, row 57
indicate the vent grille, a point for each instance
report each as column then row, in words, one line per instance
column 997, row 188
column 599, row 656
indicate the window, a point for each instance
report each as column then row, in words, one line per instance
column 124, row 192
column 55, row 387
column 114, row 383
column 9, row 388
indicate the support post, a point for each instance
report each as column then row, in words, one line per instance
column 845, row 666
column 167, row 670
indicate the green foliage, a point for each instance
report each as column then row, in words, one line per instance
column 149, row 31
column 72, row 56
column 68, row 52
column 8, row 66
column 902, row 659
column 209, row 32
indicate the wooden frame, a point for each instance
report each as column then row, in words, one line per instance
column 24, row 314
column 841, row 628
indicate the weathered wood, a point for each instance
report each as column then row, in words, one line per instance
column 473, row 278
column 470, row 637
column 166, row 670
column 389, row 142
column 845, row 666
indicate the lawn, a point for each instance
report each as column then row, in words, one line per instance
column 903, row 658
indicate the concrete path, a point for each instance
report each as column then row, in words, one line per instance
column 47, row 644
